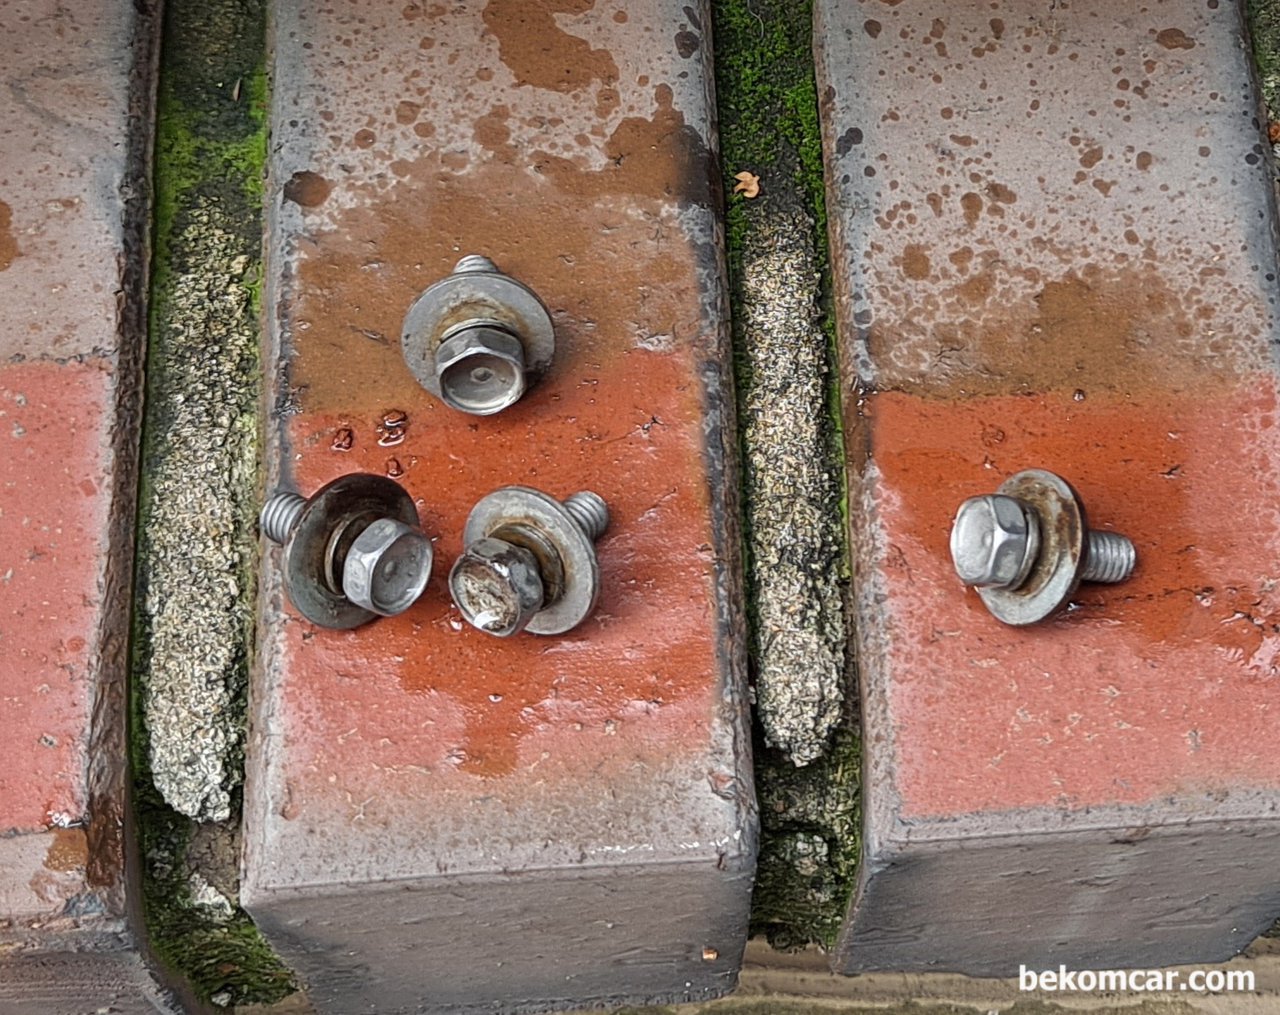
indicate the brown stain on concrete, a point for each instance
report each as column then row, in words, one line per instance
column 8, row 245
column 1175, row 38
column 307, row 189
column 915, row 262
column 660, row 157
column 1120, row 329
column 69, row 850
column 539, row 52
column 494, row 132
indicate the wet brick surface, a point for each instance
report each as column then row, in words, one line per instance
column 1054, row 237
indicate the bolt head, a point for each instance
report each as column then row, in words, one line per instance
column 994, row 541
column 387, row 567
column 481, row 370
column 497, row 586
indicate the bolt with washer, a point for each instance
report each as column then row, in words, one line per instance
column 1027, row 547
column 352, row 552
column 530, row 562
column 477, row 339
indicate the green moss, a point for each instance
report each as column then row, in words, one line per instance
column 1264, row 30
column 769, row 125
column 810, row 844
column 210, row 151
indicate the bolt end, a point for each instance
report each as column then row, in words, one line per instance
column 590, row 512
column 280, row 514
column 1112, row 558
column 475, row 262
column 497, row 586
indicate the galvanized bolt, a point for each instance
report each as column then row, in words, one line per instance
column 530, row 562
column 1027, row 547
column 352, row 552
column 478, row 338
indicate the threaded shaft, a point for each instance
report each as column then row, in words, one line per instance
column 1112, row 558
column 280, row 514
column 474, row 262
column 590, row 511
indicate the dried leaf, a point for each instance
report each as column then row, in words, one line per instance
column 748, row 184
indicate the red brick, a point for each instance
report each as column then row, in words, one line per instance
column 74, row 86
column 542, row 821
column 1054, row 235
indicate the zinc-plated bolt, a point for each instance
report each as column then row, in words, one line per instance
column 352, row 552
column 530, row 562
column 1027, row 547
column 477, row 338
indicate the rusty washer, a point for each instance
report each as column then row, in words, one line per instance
column 530, row 562
column 478, row 338
column 1027, row 547
column 353, row 552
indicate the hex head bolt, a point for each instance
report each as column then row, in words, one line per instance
column 1027, row 547
column 478, row 338
column 530, row 562
column 352, row 552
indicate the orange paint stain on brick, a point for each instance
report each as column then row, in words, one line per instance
column 1167, row 684
column 54, row 422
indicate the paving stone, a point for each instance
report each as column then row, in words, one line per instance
column 437, row 819
column 71, row 226
column 1055, row 237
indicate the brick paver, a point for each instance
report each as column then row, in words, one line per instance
column 435, row 816
column 70, row 300
column 1054, row 235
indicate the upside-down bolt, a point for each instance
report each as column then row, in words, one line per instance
column 530, row 562
column 1027, row 547
column 478, row 338
column 351, row 552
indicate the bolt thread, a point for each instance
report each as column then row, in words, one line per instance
column 1112, row 558
column 474, row 262
column 280, row 514
column 590, row 512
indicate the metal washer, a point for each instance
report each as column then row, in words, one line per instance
column 476, row 297
column 520, row 505
column 333, row 505
column 1056, row 574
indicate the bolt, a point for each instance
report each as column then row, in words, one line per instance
column 478, row 338
column 1027, row 547
column 475, row 262
column 353, row 551
column 530, row 562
